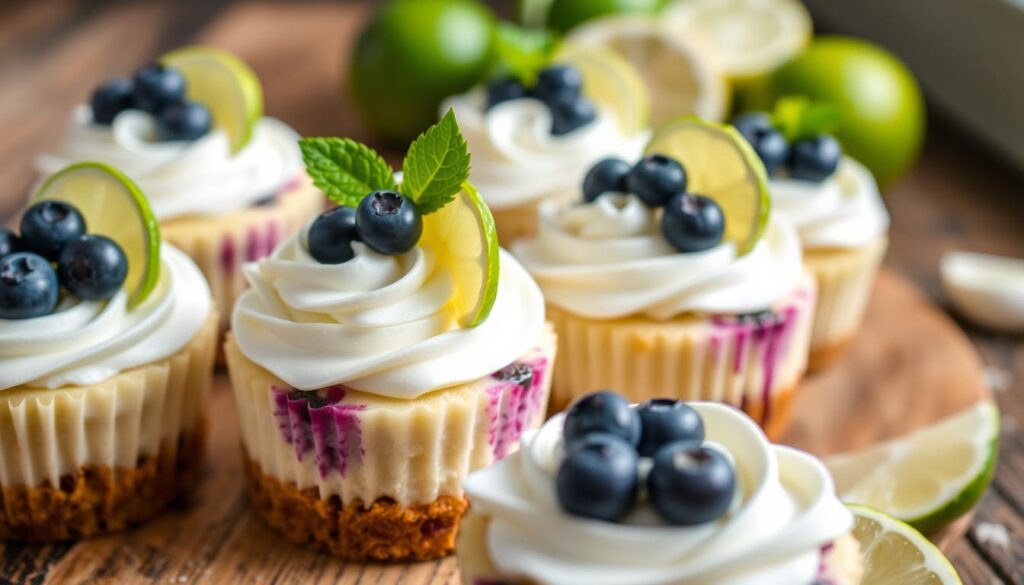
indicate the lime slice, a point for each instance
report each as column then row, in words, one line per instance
column 721, row 165
column 225, row 85
column 678, row 80
column 463, row 239
column 611, row 81
column 113, row 206
column 927, row 479
column 896, row 554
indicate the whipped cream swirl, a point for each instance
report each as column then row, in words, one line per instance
column 201, row 177
column 379, row 324
column 516, row 160
column 844, row 211
column 86, row 342
column 784, row 513
column 609, row 259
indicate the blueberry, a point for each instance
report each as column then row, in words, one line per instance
column 690, row 484
column 92, row 268
column 692, row 223
column 48, row 225
column 504, row 90
column 185, row 121
column 665, row 421
column 606, row 176
column 28, row 286
column 388, row 223
column 9, row 243
column 557, row 81
column 815, row 159
column 598, row 478
column 772, row 148
column 157, row 87
column 516, row 373
column 110, row 99
column 570, row 112
column 751, row 124
column 330, row 237
column 602, row 412
column 656, row 179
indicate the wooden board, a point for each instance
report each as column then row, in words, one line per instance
column 900, row 374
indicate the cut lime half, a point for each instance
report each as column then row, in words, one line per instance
column 896, row 554
column 113, row 206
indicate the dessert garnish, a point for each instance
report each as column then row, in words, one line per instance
column 611, row 448
column 435, row 208
column 794, row 138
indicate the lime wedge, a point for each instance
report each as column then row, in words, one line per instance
column 721, row 165
column 225, row 85
column 611, row 81
column 895, row 553
column 929, row 478
column 113, row 206
column 464, row 241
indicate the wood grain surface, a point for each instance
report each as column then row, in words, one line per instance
column 910, row 366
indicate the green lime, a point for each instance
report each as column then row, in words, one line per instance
column 566, row 14
column 113, row 206
column 413, row 54
column 896, row 553
column 883, row 111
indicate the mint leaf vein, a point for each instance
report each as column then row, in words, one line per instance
column 436, row 165
column 345, row 170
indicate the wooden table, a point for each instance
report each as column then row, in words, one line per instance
column 53, row 52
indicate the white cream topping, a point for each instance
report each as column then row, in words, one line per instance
column 87, row 342
column 784, row 513
column 201, row 177
column 843, row 211
column 379, row 324
column 609, row 259
column 516, row 160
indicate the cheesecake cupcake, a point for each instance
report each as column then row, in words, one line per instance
column 107, row 342
column 534, row 133
column 672, row 277
column 384, row 353
column 663, row 493
column 834, row 203
column 225, row 182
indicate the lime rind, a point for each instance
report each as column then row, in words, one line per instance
column 933, row 555
column 492, row 271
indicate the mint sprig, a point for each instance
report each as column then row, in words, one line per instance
column 797, row 117
column 436, row 165
column 345, row 170
column 522, row 53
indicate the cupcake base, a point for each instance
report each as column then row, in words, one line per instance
column 515, row 222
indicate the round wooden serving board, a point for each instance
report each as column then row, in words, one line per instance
column 910, row 366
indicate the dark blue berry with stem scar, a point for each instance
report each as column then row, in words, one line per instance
column 772, row 148
column 110, row 99
column 815, row 159
column 665, row 421
column 691, row 484
column 570, row 112
column 185, row 121
column 48, row 225
column 388, row 223
column 330, row 238
column 656, row 179
column 9, row 243
column 602, row 412
column 598, row 478
column 557, row 81
column 92, row 268
column 606, row 176
column 692, row 223
column 158, row 87
column 752, row 124
column 504, row 90
column 28, row 286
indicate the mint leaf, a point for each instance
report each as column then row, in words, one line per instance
column 818, row 118
column 522, row 53
column 436, row 165
column 345, row 170
column 797, row 117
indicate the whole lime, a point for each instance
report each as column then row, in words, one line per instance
column 883, row 113
column 566, row 14
column 414, row 53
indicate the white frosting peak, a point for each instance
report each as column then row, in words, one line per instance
column 784, row 513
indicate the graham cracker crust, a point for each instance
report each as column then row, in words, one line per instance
column 384, row 531
column 97, row 499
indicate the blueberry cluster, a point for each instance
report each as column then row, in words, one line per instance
column 53, row 234
column 691, row 223
column 160, row 91
column 812, row 159
column 387, row 222
column 560, row 87
column 605, row 438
